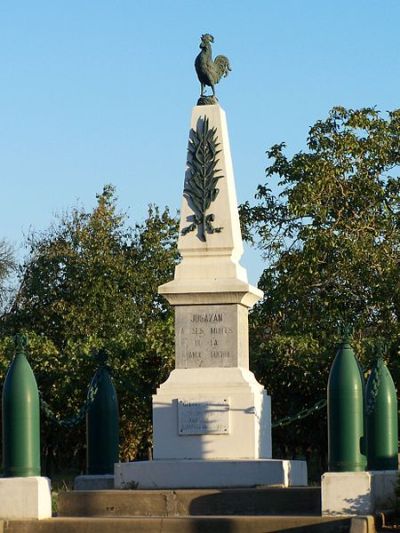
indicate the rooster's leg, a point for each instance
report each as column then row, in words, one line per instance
column 213, row 89
column 202, row 89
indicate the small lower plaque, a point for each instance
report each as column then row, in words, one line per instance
column 203, row 417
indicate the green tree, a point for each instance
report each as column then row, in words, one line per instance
column 330, row 236
column 90, row 282
column 7, row 265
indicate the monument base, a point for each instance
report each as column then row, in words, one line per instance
column 193, row 474
column 358, row 493
column 25, row 498
column 212, row 414
column 94, row 482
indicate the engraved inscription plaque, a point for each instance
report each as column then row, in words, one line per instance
column 201, row 417
column 211, row 336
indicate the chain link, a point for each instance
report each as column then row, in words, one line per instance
column 91, row 395
column 75, row 419
column 300, row 415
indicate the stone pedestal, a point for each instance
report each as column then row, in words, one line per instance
column 25, row 498
column 358, row 493
column 211, row 413
column 211, row 418
column 211, row 407
column 189, row 474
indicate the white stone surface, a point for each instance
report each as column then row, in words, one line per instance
column 207, row 474
column 210, row 271
column 212, row 291
column 229, row 241
column 249, row 435
column 358, row 493
column 211, row 295
column 94, row 482
column 25, row 498
column 226, row 439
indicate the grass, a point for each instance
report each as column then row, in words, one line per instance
column 63, row 482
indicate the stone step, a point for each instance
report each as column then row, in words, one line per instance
column 234, row 524
column 196, row 502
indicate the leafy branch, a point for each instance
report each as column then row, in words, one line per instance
column 200, row 187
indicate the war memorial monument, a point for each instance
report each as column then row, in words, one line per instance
column 211, row 418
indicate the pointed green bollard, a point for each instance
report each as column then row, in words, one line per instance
column 345, row 413
column 363, row 443
column 21, row 417
column 102, row 423
column 381, row 417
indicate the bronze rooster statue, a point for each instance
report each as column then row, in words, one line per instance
column 208, row 71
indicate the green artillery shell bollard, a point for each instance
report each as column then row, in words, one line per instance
column 345, row 413
column 102, row 426
column 382, row 425
column 21, row 417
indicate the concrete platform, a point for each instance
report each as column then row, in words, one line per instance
column 170, row 503
column 25, row 497
column 183, row 511
column 182, row 474
column 358, row 493
column 237, row 524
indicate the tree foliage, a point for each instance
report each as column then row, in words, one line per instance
column 330, row 236
column 7, row 266
column 91, row 282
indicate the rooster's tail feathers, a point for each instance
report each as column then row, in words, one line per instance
column 223, row 66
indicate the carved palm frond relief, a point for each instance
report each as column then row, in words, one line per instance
column 201, row 183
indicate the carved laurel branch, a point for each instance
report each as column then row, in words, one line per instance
column 200, row 187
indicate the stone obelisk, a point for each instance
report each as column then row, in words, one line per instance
column 211, row 418
column 211, row 407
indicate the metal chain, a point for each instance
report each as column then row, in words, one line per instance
column 300, row 415
column 75, row 419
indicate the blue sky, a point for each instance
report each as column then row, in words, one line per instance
column 96, row 92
